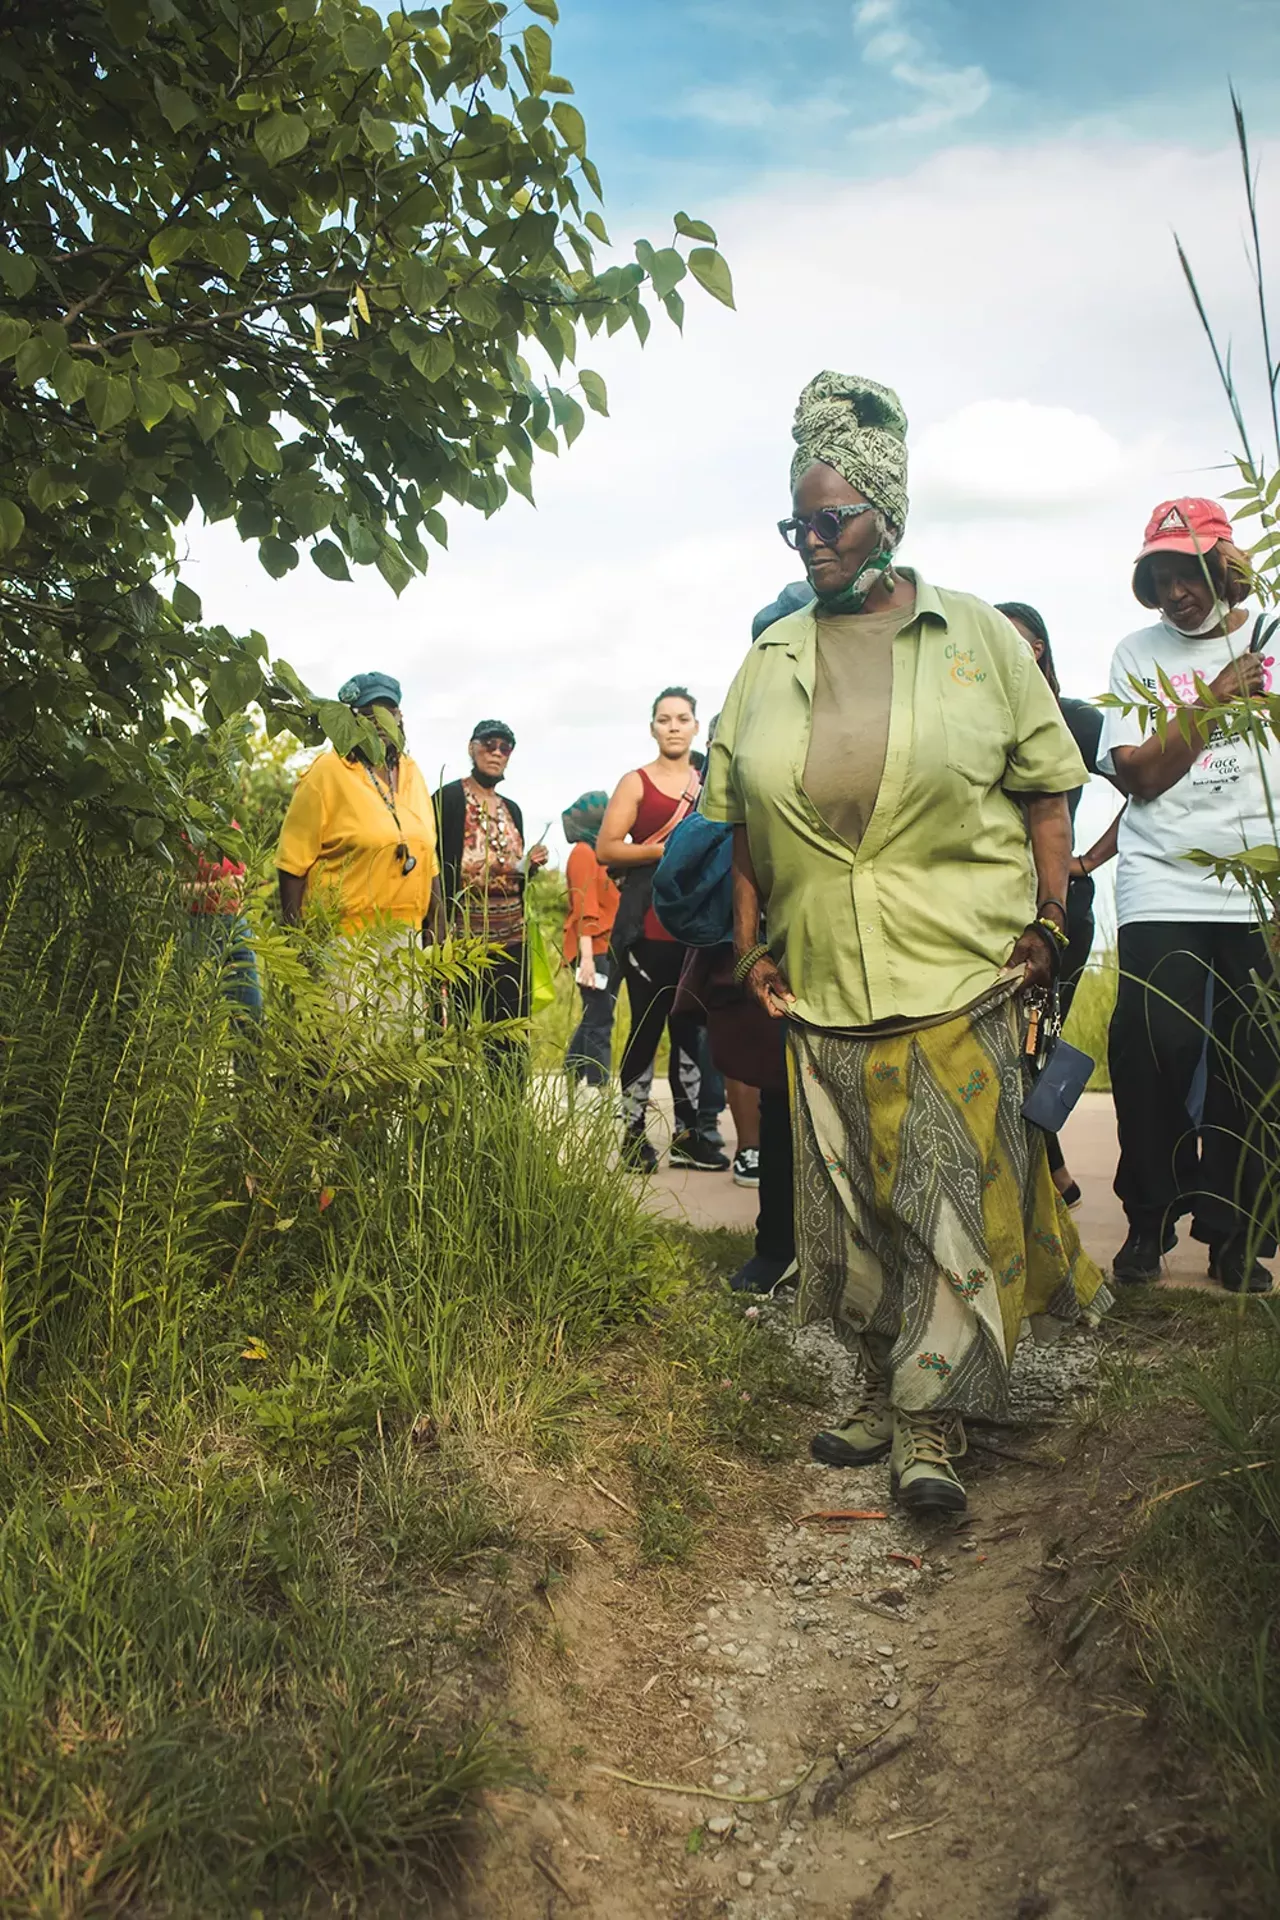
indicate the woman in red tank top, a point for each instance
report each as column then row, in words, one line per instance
column 645, row 806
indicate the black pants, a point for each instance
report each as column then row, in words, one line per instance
column 590, row 1052
column 1221, row 1175
column 775, row 1221
column 652, row 974
column 1080, row 930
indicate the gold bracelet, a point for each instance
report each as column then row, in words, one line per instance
column 743, row 965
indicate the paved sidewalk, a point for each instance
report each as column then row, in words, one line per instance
column 1089, row 1143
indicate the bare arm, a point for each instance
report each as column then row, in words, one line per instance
column 1103, row 849
column 1049, row 825
column 764, row 982
column 292, row 887
column 613, row 849
column 1145, row 772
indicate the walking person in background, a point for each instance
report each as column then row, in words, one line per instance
column 483, row 865
column 1181, row 930
column 883, row 757
column 588, row 925
column 359, row 839
column 1085, row 723
column 645, row 806
column 218, row 929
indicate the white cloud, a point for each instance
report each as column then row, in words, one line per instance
column 947, row 94
column 1027, row 306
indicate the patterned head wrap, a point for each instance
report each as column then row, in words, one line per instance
column 583, row 819
column 859, row 428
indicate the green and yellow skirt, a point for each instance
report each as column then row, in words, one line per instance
column 925, row 1208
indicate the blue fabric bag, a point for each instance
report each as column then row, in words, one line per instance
column 693, row 885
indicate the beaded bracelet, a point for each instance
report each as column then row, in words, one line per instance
column 743, row 965
column 1060, row 935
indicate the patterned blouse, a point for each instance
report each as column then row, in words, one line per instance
column 492, row 850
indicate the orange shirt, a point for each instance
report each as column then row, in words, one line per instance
column 593, row 902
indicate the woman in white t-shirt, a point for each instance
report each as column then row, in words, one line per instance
column 1189, row 943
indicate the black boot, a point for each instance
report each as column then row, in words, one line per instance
column 1138, row 1260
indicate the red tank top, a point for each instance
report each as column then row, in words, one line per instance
column 653, row 813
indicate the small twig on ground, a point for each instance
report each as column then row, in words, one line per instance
column 612, row 1496
column 1254, row 1466
column 710, row 1793
column 906, row 1833
column 839, row 1514
column 877, row 1753
column 714, row 1754
column 548, row 1872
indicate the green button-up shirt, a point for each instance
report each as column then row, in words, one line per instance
column 920, row 918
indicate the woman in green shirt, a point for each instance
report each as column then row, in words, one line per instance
column 896, row 770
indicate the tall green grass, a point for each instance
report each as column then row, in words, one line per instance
column 1089, row 1021
column 266, row 1296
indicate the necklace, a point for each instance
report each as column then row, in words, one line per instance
column 408, row 861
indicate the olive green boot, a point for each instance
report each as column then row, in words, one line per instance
column 921, row 1475
column 867, row 1434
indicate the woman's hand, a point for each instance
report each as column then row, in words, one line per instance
column 586, row 974
column 1240, row 678
column 537, row 857
column 768, row 989
column 1031, row 953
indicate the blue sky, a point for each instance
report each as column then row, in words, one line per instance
column 712, row 91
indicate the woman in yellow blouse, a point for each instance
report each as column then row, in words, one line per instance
column 360, row 839
column 896, row 769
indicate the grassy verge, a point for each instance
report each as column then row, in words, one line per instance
column 274, row 1307
column 1090, row 1016
column 1201, row 1581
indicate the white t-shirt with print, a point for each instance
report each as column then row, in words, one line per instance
column 1219, row 806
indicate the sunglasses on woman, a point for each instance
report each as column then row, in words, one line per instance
column 826, row 525
column 495, row 744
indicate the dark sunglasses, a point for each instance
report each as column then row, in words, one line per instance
column 494, row 743
column 826, row 525
column 408, row 861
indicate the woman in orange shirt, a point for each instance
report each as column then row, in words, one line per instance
column 593, row 906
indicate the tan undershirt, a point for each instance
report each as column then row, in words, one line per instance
column 852, row 693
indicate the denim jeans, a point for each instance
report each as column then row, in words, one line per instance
column 590, row 1052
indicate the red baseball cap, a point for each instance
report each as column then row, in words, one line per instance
column 1181, row 526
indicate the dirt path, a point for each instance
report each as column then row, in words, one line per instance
column 949, row 1722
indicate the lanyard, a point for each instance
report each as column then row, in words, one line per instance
column 408, row 861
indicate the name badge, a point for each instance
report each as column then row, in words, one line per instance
column 1220, row 766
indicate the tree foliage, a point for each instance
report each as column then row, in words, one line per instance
column 280, row 264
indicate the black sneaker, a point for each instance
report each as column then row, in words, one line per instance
column 1138, row 1260
column 762, row 1274
column 689, row 1149
column 1229, row 1264
column 746, row 1167
column 637, row 1155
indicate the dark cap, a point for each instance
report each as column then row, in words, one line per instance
column 485, row 729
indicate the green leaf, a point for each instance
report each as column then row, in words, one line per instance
column 169, row 244
column 437, row 526
column 363, row 49
column 380, row 134
column 573, row 128
column 394, row 568
column 423, row 284
column 547, row 8
column 17, row 271
column 152, row 399
column 594, row 224
column 695, row 229
column 176, row 104
column 666, row 270
column 674, row 304
column 12, row 522
column 210, row 414
column 280, row 136
column 227, row 246
column 186, row 604
column 474, row 304
column 33, row 360
column 711, row 270
column 537, row 52
column 109, row 400
column 277, row 556
column 433, row 356
column 594, row 388
column 331, row 560
column 12, row 334
column 569, row 416
column 263, row 449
